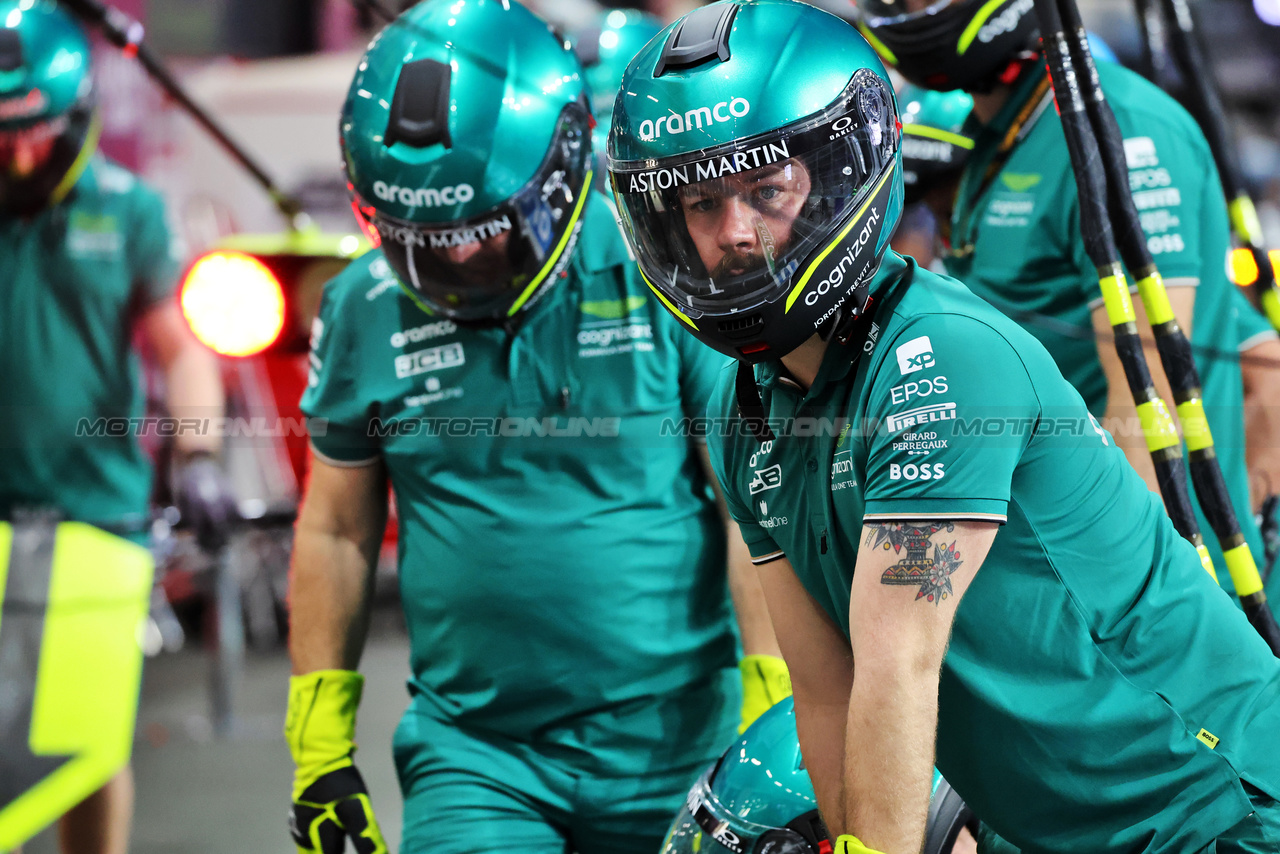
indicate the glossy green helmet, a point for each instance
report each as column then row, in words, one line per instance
column 758, row 799
column 935, row 140
column 605, row 48
column 755, row 160
column 952, row 44
column 466, row 144
column 47, row 126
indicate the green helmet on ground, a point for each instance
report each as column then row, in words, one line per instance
column 755, row 160
column 952, row 44
column 935, row 140
column 758, row 799
column 605, row 48
column 466, row 144
column 48, row 129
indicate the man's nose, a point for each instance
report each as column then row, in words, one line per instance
column 25, row 159
column 737, row 225
column 463, row 252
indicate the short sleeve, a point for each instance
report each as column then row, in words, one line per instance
column 699, row 368
column 338, row 418
column 1252, row 327
column 155, row 255
column 952, row 410
column 723, row 446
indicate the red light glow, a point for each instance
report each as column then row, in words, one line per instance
column 233, row 303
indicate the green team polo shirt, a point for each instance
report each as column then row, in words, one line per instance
column 561, row 557
column 75, row 277
column 1091, row 648
column 1017, row 244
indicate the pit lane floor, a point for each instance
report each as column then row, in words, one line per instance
column 200, row 795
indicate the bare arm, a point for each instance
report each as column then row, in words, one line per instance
column 821, row 665
column 1121, row 416
column 744, row 583
column 193, row 382
column 1262, row 420
column 899, row 629
column 335, row 552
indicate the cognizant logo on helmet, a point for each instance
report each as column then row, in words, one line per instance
column 427, row 197
column 676, row 123
column 1006, row 22
column 836, row 276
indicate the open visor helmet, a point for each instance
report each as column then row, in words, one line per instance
column 466, row 143
column 950, row 44
column 48, row 128
column 759, row 208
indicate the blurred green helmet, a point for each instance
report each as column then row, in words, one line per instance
column 466, row 144
column 48, row 129
column 935, row 141
column 605, row 48
column 755, row 160
column 758, row 799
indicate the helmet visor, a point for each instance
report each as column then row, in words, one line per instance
column 725, row 229
column 24, row 150
column 489, row 267
column 705, row 826
column 887, row 13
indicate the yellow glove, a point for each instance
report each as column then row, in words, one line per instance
column 847, row 844
column 330, row 801
column 765, row 681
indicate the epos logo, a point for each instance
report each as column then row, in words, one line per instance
column 915, row 355
column 699, row 117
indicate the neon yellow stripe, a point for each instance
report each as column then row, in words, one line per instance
column 854, row 220
column 1115, row 294
column 1271, row 307
column 81, row 162
column 971, row 32
column 583, row 192
column 1195, row 429
column 940, row 135
column 1157, row 426
column 1244, row 219
column 671, row 308
column 1244, row 572
column 1156, row 299
column 877, row 45
column 1207, row 562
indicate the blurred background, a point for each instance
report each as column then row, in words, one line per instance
column 212, row 770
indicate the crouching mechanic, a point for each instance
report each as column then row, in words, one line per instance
column 911, row 471
column 561, row 558
column 87, row 264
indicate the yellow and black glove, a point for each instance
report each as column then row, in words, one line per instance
column 847, row 844
column 765, row 681
column 330, row 801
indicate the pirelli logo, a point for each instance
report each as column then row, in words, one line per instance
column 921, row 415
column 431, row 359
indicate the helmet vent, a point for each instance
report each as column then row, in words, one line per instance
column 701, row 36
column 420, row 106
column 10, row 50
column 742, row 327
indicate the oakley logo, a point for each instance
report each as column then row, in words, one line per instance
column 770, row 478
column 428, row 197
column 915, row 355
column 676, row 123
column 1006, row 22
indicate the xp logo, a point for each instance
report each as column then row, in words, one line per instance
column 699, row 117
column 426, row 197
column 915, row 355
column 770, row 478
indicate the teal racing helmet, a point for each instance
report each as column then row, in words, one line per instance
column 936, row 137
column 952, row 44
column 48, row 127
column 758, row 799
column 604, row 48
column 755, row 159
column 466, row 145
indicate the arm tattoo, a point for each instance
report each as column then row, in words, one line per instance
column 932, row 574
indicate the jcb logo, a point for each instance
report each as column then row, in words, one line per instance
column 770, row 478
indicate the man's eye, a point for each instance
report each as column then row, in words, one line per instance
column 700, row 205
column 768, row 193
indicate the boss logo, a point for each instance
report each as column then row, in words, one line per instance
column 428, row 197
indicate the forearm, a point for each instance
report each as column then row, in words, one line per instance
column 329, row 600
column 889, row 753
column 748, row 599
column 1121, row 420
column 193, row 389
column 821, row 727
